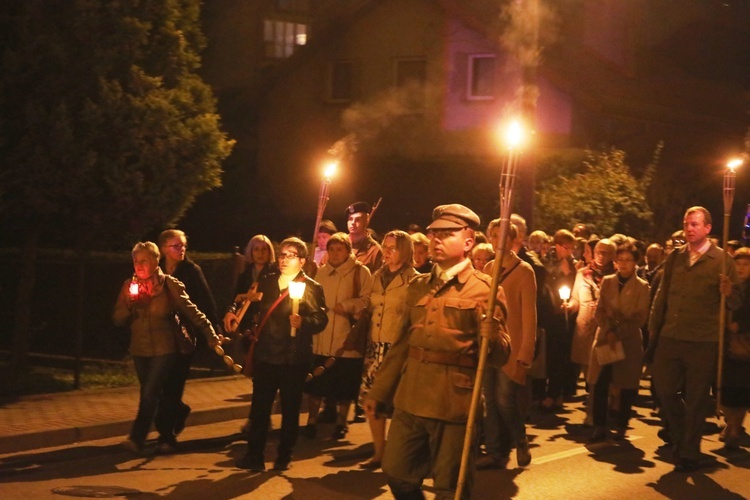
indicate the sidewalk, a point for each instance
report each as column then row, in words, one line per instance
column 59, row 419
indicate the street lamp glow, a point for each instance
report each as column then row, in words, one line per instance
column 330, row 169
column 734, row 164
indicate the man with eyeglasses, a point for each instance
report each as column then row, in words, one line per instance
column 428, row 375
column 282, row 358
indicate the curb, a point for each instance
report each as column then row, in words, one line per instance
column 72, row 435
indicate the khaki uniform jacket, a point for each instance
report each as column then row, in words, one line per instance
column 338, row 288
column 368, row 253
column 446, row 322
column 152, row 322
column 388, row 306
column 622, row 312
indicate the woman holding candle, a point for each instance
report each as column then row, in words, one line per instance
column 147, row 303
column 561, row 272
column 280, row 361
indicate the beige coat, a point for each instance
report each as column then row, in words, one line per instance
column 388, row 306
column 338, row 288
column 520, row 296
column 622, row 312
column 446, row 322
column 583, row 299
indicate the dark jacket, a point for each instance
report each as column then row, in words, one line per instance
column 275, row 343
column 197, row 288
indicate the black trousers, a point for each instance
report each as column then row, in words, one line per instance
column 171, row 400
column 268, row 379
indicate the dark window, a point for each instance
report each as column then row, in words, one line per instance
column 481, row 84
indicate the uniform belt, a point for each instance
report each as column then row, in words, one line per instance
column 442, row 357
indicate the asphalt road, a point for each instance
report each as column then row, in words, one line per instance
column 563, row 466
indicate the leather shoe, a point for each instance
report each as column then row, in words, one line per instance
column 340, row 432
column 282, row 464
column 599, row 435
column 523, row 455
column 370, row 464
column 491, row 462
column 131, row 446
column 252, row 463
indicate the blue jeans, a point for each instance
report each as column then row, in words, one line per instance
column 152, row 373
column 504, row 422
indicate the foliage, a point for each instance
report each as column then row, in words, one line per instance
column 596, row 188
column 106, row 131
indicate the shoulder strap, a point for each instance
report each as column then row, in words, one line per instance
column 356, row 285
column 505, row 275
column 268, row 313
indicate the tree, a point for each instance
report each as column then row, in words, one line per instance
column 597, row 189
column 106, row 129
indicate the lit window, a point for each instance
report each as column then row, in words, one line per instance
column 340, row 81
column 281, row 38
column 481, row 84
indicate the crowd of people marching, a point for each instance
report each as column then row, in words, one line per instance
column 389, row 328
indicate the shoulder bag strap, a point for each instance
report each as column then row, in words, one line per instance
column 268, row 313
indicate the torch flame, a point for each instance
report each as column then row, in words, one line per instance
column 514, row 135
column 734, row 164
column 564, row 293
column 330, row 169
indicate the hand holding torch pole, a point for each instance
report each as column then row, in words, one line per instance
column 729, row 182
column 513, row 137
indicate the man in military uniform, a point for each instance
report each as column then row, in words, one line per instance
column 429, row 373
column 366, row 250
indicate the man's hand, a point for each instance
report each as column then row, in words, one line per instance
column 489, row 329
column 295, row 320
column 231, row 322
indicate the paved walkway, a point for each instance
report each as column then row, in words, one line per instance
column 59, row 419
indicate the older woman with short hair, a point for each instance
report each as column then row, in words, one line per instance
column 147, row 304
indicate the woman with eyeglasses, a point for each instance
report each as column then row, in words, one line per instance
column 147, row 304
column 172, row 414
column 620, row 313
column 283, row 351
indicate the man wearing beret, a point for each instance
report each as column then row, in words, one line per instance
column 366, row 250
column 429, row 373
